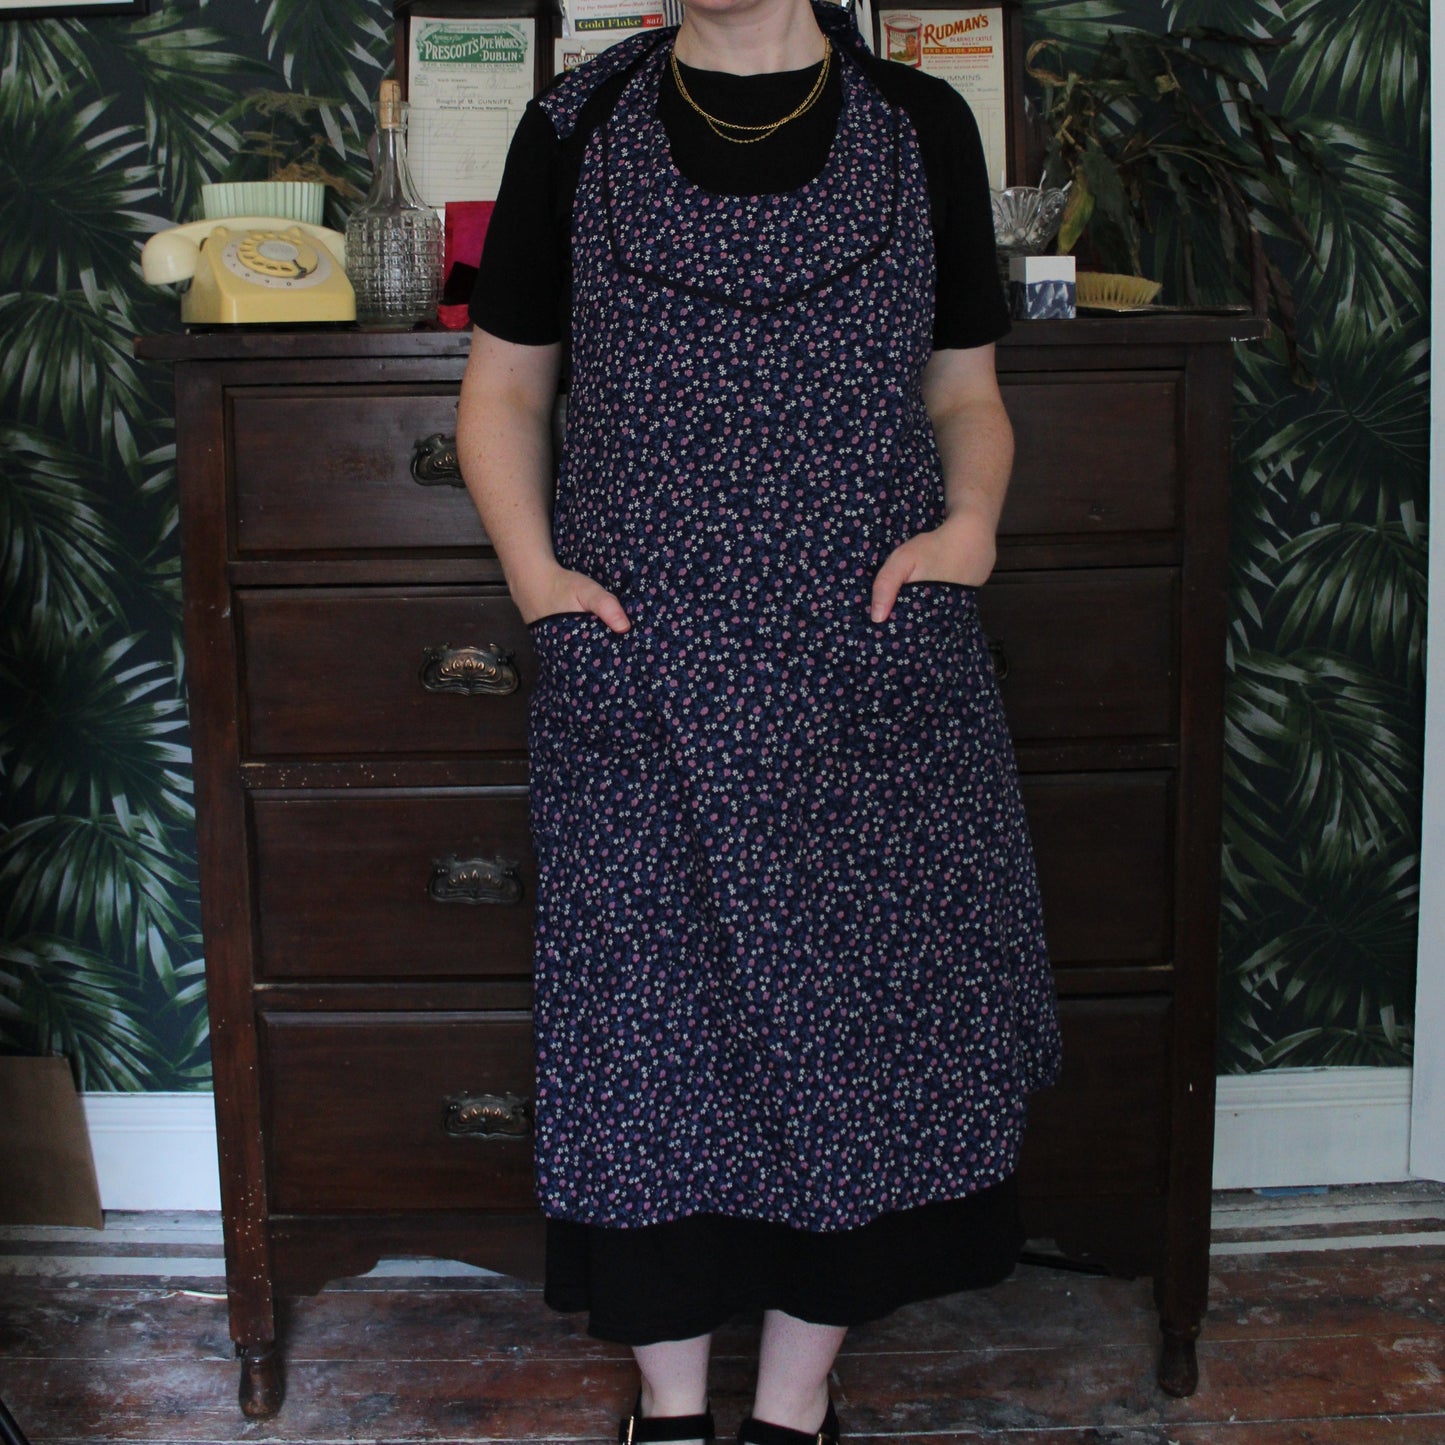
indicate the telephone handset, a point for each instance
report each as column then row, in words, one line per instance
column 253, row 268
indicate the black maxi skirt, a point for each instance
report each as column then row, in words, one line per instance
column 682, row 1279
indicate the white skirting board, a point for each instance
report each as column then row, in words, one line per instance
column 1311, row 1126
column 154, row 1151
column 1285, row 1127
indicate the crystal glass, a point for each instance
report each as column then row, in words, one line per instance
column 1025, row 221
column 394, row 239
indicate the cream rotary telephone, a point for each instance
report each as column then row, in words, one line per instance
column 253, row 269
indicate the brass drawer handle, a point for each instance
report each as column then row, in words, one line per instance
column 487, row 1116
column 999, row 656
column 434, row 462
column 475, row 880
column 489, row 671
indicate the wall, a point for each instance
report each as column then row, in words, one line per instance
column 107, row 129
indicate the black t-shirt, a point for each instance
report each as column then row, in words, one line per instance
column 523, row 291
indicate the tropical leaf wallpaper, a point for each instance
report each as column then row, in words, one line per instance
column 107, row 130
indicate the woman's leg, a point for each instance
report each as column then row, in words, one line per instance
column 674, row 1376
column 793, row 1365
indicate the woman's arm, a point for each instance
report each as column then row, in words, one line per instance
column 504, row 444
column 975, row 440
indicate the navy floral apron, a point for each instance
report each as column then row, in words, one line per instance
column 790, row 960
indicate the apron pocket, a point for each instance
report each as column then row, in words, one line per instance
column 904, row 675
column 590, row 692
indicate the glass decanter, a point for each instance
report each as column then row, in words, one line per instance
column 393, row 238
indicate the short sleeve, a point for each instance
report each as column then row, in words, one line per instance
column 970, row 309
column 522, row 292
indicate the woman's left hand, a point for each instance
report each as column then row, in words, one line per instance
column 962, row 548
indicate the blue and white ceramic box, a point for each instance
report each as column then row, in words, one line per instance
column 1041, row 288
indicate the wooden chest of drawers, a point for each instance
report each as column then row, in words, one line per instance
column 358, row 687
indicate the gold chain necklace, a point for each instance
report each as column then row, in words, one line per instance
column 756, row 133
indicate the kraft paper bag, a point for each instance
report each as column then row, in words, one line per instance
column 47, row 1172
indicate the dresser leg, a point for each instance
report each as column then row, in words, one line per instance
column 262, row 1389
column 1178, row 1362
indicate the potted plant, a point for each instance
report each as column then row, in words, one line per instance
column 1169, row 132
column 280, row 168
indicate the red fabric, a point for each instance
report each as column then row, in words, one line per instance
column 466, row 229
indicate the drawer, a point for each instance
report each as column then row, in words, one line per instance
column 336, row 468
column 378, row 1111
column 1086, row 654
column 1104, row 850
column 416, row 672
column 1103, row 1129
column 1093, row 453
column 404, row 885
column 1104, row 846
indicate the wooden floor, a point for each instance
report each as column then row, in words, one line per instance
column 1326, row 1326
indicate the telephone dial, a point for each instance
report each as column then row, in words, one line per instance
column 253, row 269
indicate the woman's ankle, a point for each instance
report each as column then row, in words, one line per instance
column 675, row 1400
column 793, row 1409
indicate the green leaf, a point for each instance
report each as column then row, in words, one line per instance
column 1358, row 589
column 186, row 76
column 63, row 998
column 82, row 724
column 72, row 188
column 65, row 362
column 1369, row 223
column 88, row 878
column 61, row 557
column 1077, row 210
column 1372, row 58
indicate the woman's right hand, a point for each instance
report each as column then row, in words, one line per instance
column 562, row 590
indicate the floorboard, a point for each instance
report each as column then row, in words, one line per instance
column 1311, row 1339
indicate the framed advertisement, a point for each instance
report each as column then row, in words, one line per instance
column 540, row 13
column 467, row 69
column 978, row 49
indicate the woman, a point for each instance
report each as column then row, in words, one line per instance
column 791, row 986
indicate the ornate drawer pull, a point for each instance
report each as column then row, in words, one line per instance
column 999, row 656
column 487, row 1116
column 474, row 671
column 434, row 462
column 475, row 880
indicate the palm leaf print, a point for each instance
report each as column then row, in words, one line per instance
column 1075, row 22
column 60, row 558
column 1361, row 585
column 1358, row 59
column 94, row 728
column 67, row 357
column 186, row 80
column 57, row 997
column 1338, row 738
column 1361, row 441
column 49, row 59
column 344, row 48
column 1369, row 229
column 1340, row 971
column 99, row 878
column 71, row 185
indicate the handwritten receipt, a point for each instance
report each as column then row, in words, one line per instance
column 468, row 82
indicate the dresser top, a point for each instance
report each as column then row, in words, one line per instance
column 239, row 343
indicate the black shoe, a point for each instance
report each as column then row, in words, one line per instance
column 760, row 1432
column 634, row 1429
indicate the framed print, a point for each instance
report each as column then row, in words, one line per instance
column 467, row 69
column 26, row 10
column 541, row 13
column 977, row 50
